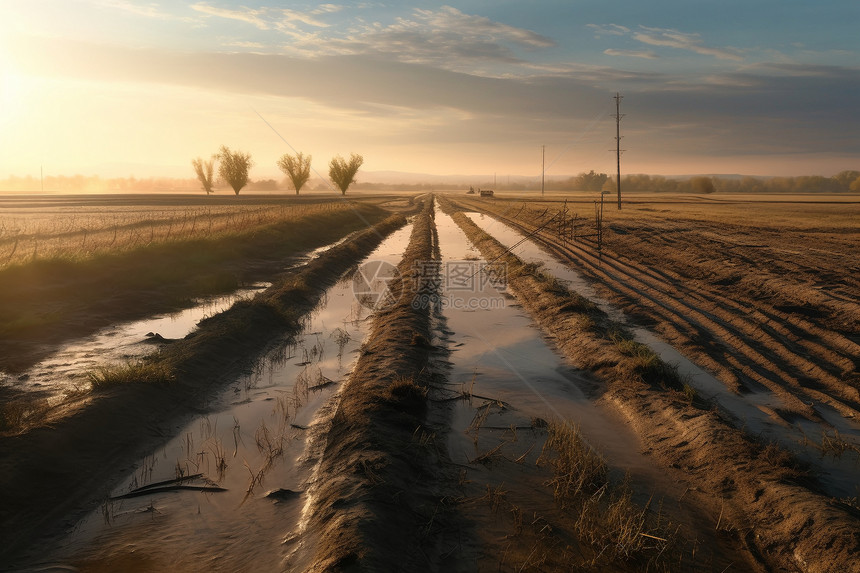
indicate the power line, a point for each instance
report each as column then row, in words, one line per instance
column 618, row 150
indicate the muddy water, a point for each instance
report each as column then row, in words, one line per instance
column 65, row 369
column 498, row 353
column 252, row 444
column 754, row 411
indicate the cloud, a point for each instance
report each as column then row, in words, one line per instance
column 682, row 41
column 664, row 37
column 447, row 38
column 353, row 81
column 267, row 18
column 456, row 22
column 772, row 108
column 609, row 29
column 147, row 10
column 247, row 15
column 238, row 44
column 289, row 17
column 327, row 9
column 648, row 54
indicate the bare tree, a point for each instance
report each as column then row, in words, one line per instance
column 342, row 173
column 234, row 167
column 297, row 168
column 205, row 170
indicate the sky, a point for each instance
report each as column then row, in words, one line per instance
column 134, row 87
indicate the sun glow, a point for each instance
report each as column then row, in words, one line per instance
column 11, row 87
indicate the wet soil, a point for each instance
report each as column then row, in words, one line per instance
column 65, row 469
column 47, row 303
column 512, row 382
column 752, row 411
column 249, row 456
column 427, row 456
column 770, row 506
column 765, row 309
column 378, row 500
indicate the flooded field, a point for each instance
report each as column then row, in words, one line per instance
column 65, row 370
column 465, row 393
column 518, row 381
column 248, row 459
column 754, row 411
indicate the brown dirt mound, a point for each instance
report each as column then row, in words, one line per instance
column 378, row 492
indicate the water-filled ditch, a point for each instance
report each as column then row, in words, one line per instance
column 753, row 411
column 518, row 380
column 227, row 492
column 65, row 370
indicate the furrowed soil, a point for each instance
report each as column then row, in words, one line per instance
column 763, row 294
column 378, row 500
column 718, row 289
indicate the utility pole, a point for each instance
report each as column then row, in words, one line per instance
column 542, row 167
column 618, row 116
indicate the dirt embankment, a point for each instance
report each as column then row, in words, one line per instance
column 47, row 302
column 64, row 469
column 377, row 501
column 770, row 309
column 753, row 491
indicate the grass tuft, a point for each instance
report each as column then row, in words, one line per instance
column 408, row 396
column 605, row 514
column 17, row 415
column 577, row 468
column 141, row 371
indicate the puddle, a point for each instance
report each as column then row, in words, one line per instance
column 501, row 353
column 253, row 445
column 838, row 475
column 65, row 370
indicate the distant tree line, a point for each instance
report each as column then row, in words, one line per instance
column 416, row 187
column 845, row 181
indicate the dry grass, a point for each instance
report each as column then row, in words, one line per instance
column 604, row 514
column 69, row 234
column 141, row 371
column 18, row 415
column 836, row 445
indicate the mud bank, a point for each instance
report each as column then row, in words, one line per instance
column 774, row 319
column 50, row 476
column 754, row 412
column 755, row 493
column 376, row 502
column 47, row 302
